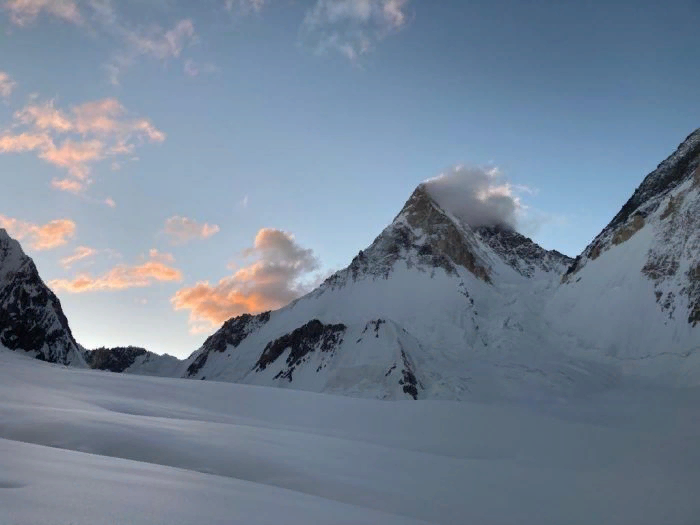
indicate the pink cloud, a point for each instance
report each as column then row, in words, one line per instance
column 80, row 253
column 41, row 237
column 183, row 229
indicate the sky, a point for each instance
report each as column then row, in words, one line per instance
column 169, row 164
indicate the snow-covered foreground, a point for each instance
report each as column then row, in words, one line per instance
column 84, row 447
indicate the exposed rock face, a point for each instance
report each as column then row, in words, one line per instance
column 423, row 236
column 115, row 359
column 313, row 336
column 233, row 333
column 666, row 185
column 521, row 253
column 31, row 318
column 667, row 204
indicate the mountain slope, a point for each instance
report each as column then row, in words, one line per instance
column 431, row 309
column 31, row 319
column 634, row 293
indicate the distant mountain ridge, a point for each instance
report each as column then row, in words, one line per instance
column 437, row 309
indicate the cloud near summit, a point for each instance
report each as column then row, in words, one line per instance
column 479, row 196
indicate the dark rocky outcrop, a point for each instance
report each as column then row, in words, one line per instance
column 313, row 336
column 31, row 318
column 115, row 359
column 522, row 253
column 233, row 333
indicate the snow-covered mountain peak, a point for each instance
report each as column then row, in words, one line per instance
column 31, row 318
column 11, row 254
column 658, row 197
column 423, row 236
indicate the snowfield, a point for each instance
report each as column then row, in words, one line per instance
column 85, row 447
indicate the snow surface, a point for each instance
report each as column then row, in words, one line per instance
column 88, row 447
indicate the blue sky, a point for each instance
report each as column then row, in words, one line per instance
column 257, row 145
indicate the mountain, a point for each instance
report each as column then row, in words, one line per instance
column 431, row 309
column 436, row 308
column 634, row 292
column 132, row 359
column 31, row 319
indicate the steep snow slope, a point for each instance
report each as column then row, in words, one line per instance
column 86, row 447
column 31, row 319
column 633, row 296
column 432, row 309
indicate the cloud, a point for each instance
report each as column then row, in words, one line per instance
column 69, row 185
column 74, row 156
column 478, row 196
column 163, row 257
column 80, row 253
column 109, row 201
column 7, row 85
column 352, row 27
column 194, row 69
column 88, row 133
column 99, row 17
column 162, row 44
column 278, row 276
column 120, row 277
column 41, row 237
column 23, row 12
column 244, row 6
column 183, row 229
column 24, row 142
column 154, row 42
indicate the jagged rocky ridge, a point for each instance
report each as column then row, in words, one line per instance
column 31, row 318
column 435, row 308
column 638, row 282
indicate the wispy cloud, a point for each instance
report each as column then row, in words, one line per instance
column 244, row 6
column 76, row 139
column 352, row 27
column 163, row 257
column 81, row 253
column 194, row 69
column 277, row 276
column 23, row 12
column 120, row 277
column 183, row 229
column 100, row 17
column 154, row 42
column 41, row 237
column 7, row 85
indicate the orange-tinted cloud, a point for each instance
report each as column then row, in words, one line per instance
column 24, row 142
column 80, row 253
column 23, row 12
column 89, row 133
column 75, row 157
column 276, row 278
column 183, row 229
column 120, row 277
column 41, row 237
column 164, row 257
column 70, row 185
